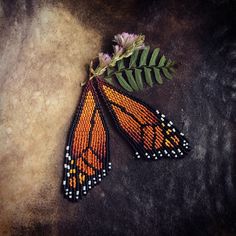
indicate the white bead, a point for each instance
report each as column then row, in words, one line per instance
column 154, row 154
column 155, row 158
column 100, row 179
column 176, row 156
column 68, row 174
column 69, row 158
column 64, row 182
column 77, row 192
column 67, row 190
column 146, row 154
column 94, row 178
column 163, row 115
column 66, row 193
column 148, row 157
column 157, row 112
column 70, row 196
column 162, row 119
column 138, row 156
column 85, row 192
column 68, row 167
column 67, row 154
column 109, row 167
column 89, row 182
column 77, row 197
column 65, row 166
column 109, row 163
column 181, row 134
column 171, row 122
column 68, row 147
column 136, row 153
column 70, row 192
column 173, row 130
column 95, row 182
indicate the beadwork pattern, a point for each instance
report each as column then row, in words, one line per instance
column 87, row 159
column 87, row 154
column 150, row 134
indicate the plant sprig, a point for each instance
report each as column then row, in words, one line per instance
column 126, row 44
column 132, row 64
column 142, row 66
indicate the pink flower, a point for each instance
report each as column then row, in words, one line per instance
column 104, row 59
column 118, row 50
column 127, row 40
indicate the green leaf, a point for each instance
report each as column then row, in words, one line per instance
column 123, row 82
column 110, row 71
column 148, row 77
column 154, row 57
column 143, row 58
column 173, row 63
column 120, row 65
column 166, row 73
column 109, row 80
column 162, row 61
column 158, row 76
column 131, row 79
column 133, row 59
column 168, row 63
column 138, row 77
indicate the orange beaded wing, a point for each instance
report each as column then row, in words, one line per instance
column 87, row 154
column 148, row 131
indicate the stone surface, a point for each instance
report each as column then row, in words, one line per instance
column 45, row 46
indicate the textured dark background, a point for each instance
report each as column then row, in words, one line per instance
column 191, row 196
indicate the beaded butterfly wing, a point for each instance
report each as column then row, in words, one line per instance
column 150, row 134
column 87, row 154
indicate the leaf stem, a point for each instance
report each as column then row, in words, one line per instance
column 138, row 67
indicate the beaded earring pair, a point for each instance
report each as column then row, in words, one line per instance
column 87, row 159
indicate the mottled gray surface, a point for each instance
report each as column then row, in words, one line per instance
column 45, row 46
